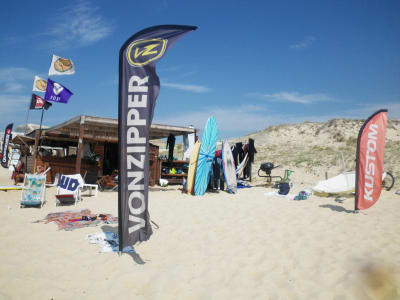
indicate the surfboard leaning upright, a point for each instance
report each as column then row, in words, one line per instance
column 229, row 168
column 192, row 168
column 206, row 156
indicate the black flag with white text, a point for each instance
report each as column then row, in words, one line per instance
column 139, row 86
column 6, row 142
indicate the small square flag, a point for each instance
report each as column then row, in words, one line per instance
column 39, row 84
column 38, row 103
column 61, row 66
column 56, row 92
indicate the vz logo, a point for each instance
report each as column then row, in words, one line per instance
column 141, row 52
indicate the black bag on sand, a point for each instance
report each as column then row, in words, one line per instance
column 284, row 188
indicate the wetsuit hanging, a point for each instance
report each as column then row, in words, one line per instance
column 171, row 144
column 240, row 150
column 235, row 156
column 251, row 150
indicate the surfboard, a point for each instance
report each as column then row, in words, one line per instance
column 192, row 168
column 229, row 168
column 206, row 156
column 10, row 187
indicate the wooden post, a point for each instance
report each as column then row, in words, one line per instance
column 80, row 146
column 35, row 150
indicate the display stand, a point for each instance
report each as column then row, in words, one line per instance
column 181, row 169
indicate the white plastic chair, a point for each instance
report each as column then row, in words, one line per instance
column 90, row 186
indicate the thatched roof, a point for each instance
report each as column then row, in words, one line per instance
column 96, row 129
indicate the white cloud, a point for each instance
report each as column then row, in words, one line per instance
column 186, row 87
column 12, row 105
column 78, row 25
column 10, row 79
column 305, row 43
column 13, row 74
column 231, row 121
column 292, row 97
column 365, row 110
column 246, row 119
column 12, row 87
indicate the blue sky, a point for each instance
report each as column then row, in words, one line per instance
column 251, row 64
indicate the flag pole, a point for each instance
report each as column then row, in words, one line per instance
column 40, row 128
column 27, row 116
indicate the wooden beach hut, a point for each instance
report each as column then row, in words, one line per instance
column 87, row 144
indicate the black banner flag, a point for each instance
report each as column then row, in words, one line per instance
column 139, row 86
column 39, row 103
column 6, row 142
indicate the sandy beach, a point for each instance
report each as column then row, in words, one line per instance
column 220, row 246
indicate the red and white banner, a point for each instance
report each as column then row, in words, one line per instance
column 370, row 155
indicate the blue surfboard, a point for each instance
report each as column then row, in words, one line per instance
column 206, row 156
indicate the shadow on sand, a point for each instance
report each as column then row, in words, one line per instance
column 337, row 208
column 135, row 256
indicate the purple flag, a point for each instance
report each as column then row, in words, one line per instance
column 56, row 92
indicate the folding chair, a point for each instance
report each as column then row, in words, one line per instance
column 56, row 178
column 33, row 190
column 108, row 183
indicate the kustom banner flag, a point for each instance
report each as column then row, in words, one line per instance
column 139, row 86
column 369, row 163
column 6, row 142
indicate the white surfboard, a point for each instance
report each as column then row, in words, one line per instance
column 229, row 168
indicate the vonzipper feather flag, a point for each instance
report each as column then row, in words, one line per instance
column 56, row 92
column 139, row 86
column 39, row 84
column 6, row 142
column 39, row 103
column 369, row 163
column 61, row 66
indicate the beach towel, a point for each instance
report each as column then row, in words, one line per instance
column 107, row 241
column 272, row 194
column 241, row 184
column 71, row 220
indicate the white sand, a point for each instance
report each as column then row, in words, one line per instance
column 220, row 246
